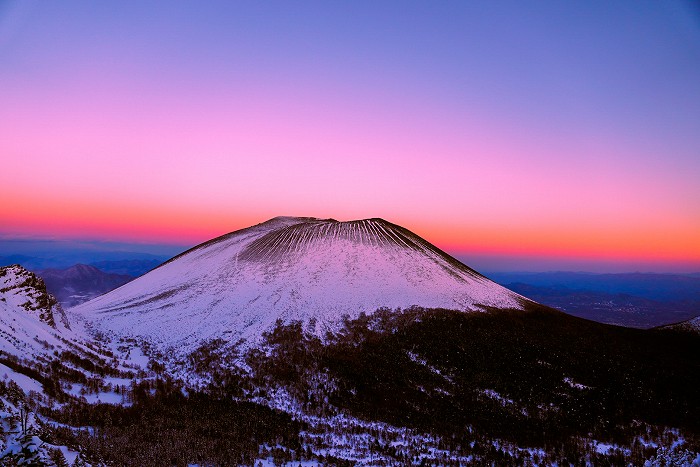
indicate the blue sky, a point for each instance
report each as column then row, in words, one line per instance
column 563, row 131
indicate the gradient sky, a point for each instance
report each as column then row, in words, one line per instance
column 564, row 132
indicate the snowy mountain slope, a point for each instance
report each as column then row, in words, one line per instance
column 23, row 289
column 30, row 318
column 237, row 286
column 33, row 327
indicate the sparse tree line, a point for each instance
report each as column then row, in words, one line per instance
column 164, row 426
column 568, row 381
column 56, row 377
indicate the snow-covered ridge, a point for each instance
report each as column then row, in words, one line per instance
column 24, row 290
column 237, row 286
column 32, row 323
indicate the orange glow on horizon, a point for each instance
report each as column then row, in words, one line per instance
column 623, row 245
column 152, row 224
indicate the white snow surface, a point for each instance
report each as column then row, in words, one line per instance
column 25, row 382
column 289, row 268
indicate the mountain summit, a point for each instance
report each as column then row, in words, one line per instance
column 290, row 268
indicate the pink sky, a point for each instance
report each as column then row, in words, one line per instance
column 114, row 138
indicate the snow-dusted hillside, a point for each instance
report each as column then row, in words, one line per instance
column 31, row 320
column 236, row 286
column 691, row 325
column 45, row 361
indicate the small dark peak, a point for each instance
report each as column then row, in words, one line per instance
column 83, row 267
column 83, row 270
column 80, row 282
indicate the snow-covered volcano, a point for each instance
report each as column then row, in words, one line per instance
column 290, row 268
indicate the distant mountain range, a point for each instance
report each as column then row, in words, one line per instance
column 642, row 300
column 119, row 262
column 128, row 267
